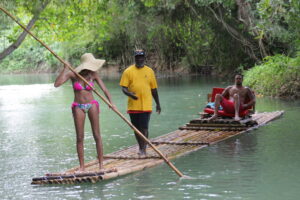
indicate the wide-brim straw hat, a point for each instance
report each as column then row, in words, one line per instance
column 89, row 62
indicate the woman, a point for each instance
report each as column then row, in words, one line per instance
column 84, row 102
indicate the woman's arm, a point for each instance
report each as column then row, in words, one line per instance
column 251, row 97
column 63, row 77
column 103, row 87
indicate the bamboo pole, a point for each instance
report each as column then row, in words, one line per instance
column 94, row 90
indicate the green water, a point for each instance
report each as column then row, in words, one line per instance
column 37, row 136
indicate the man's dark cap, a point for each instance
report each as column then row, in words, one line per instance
column 139, row 52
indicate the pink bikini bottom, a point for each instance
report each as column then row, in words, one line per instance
column 85, row 106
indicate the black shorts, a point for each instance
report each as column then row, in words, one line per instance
column 140, row 120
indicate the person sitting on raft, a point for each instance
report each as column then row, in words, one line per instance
column 84, row 102
column 237, row 94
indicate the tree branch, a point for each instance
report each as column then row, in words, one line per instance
column 23, row 35
column 235, row 34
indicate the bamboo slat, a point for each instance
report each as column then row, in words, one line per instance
column 212, row 128
column 172, row 145
column 181, row 143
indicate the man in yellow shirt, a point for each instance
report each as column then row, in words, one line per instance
column 139, row 84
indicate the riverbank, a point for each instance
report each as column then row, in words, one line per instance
column 278, row 76
column 115, row 70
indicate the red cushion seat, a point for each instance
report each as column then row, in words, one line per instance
column 223, row 113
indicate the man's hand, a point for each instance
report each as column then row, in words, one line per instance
column 244, row 106
column 155, row 96
column 132, row 95
column 158, row 109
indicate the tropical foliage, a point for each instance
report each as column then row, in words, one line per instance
column 226, row 35
column 278, row 76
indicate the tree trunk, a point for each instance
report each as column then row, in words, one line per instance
column 21, row 38
column 247, row 18
column 249, row 48
column 235, row 34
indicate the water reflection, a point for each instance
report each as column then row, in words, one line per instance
column 25, row 79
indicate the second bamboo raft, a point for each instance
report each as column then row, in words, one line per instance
column 191, row 137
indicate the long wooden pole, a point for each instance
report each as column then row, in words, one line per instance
column 104, row 99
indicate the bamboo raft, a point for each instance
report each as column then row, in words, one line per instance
column 196, row 134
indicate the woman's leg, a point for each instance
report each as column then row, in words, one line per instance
column 94, row 119
column 79, row 118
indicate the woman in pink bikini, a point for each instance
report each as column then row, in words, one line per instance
column 84, row 102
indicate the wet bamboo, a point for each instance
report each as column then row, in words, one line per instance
column 215, row 125
column 181, row 143
column 94, row 90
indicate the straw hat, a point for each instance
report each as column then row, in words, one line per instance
column 88, row 61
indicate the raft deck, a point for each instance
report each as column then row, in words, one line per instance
column 196, row 134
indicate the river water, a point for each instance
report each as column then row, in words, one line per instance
column 37, row 136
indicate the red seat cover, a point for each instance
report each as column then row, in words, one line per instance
column 222, row 113
column 216, row 91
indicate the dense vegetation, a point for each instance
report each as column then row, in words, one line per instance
column 278, row 76
column 225, row 35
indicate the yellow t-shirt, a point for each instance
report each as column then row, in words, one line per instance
column 140, row 81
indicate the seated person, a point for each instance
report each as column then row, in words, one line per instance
column 235, row 103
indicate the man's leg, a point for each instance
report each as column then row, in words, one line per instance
column 236, row 98
column 143, row 145
column 141, row 122
column 144, row 124
column 134, row 117
column 217, row 105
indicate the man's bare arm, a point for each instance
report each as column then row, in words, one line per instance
column 251, row 96
column 130, row 94
column 156, row 98
column 225, row 93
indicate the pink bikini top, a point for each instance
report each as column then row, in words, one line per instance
column 77, row 86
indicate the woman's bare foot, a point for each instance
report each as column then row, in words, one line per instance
column 80, row 171
column 101, row 166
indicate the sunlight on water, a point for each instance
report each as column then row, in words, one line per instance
column 18, row 101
